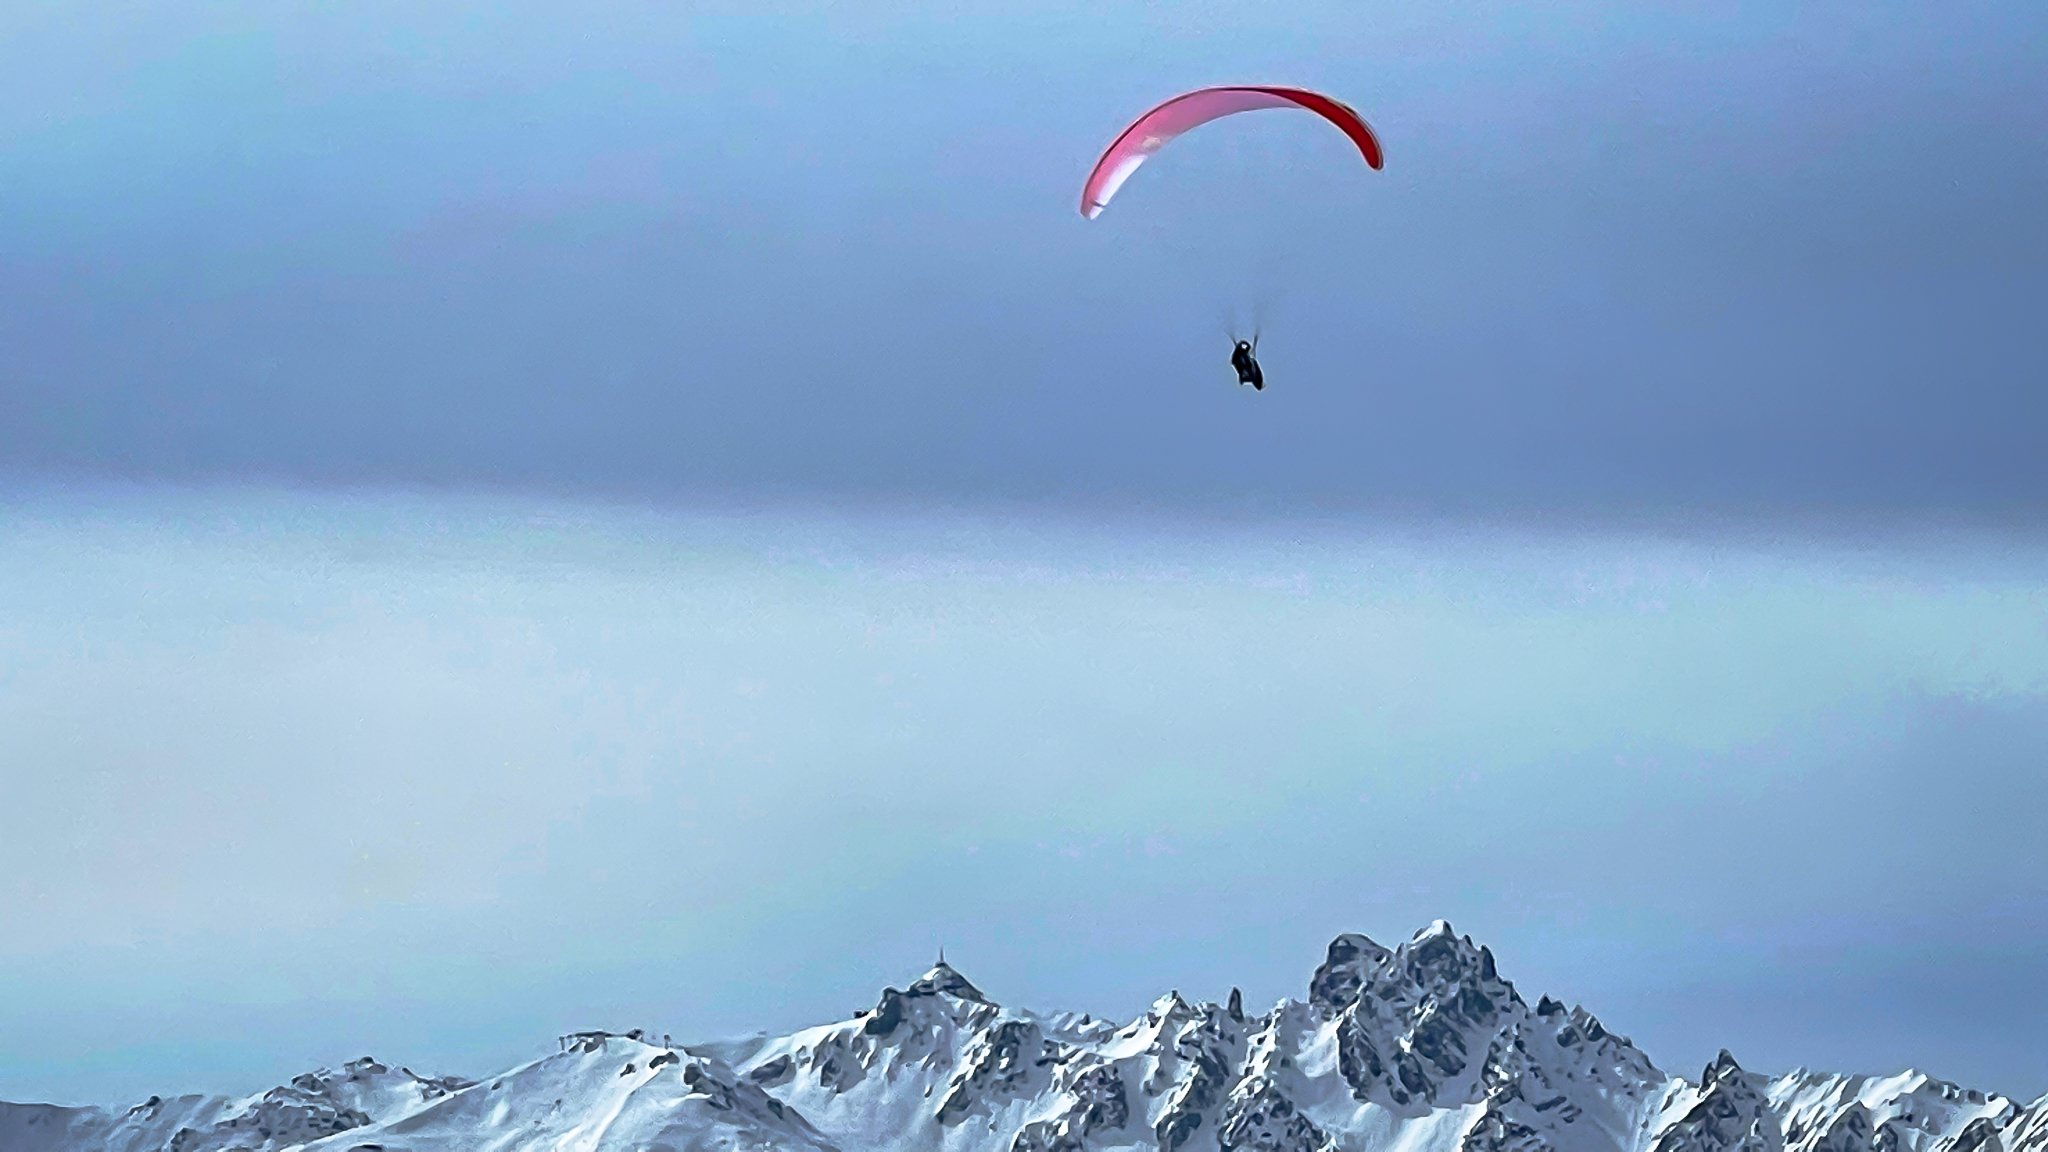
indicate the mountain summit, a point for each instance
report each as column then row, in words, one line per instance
column 943, row 980
column 1421, row 1047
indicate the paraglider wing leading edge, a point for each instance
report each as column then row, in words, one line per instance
column 1152, row 131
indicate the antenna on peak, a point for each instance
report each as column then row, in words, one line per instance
column 942, row 956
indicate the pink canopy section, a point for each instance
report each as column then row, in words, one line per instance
column 1152, row 130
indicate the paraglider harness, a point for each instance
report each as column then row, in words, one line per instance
column 1243, row 359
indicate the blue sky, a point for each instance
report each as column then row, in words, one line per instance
column 515, row 522
column 1746, row 256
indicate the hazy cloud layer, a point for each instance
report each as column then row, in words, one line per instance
column 295, row 778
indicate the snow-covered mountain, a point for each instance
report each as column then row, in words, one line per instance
column 1422, row 1047
column 312, row 1106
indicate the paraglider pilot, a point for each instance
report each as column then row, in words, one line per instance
column 1247, row 366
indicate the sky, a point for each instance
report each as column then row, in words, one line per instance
column 514, row 521
column 306, row 777
column 1753, row 255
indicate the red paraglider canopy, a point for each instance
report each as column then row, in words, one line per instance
column 1151, row 131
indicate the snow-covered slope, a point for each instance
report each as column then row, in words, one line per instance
column 601, row 1094
column 1423, row 1047
column 314, row 1105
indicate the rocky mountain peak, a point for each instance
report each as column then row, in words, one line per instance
column 1338, row 979
column 942, row 979
column 1438, row 955
column 1723, row 1068
column 1728, row 1114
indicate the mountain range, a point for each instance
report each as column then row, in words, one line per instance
column 1421, row 1047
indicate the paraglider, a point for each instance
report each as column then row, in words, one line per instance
column 1152, row 131
column 1165, row 122
column 1243, row 359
